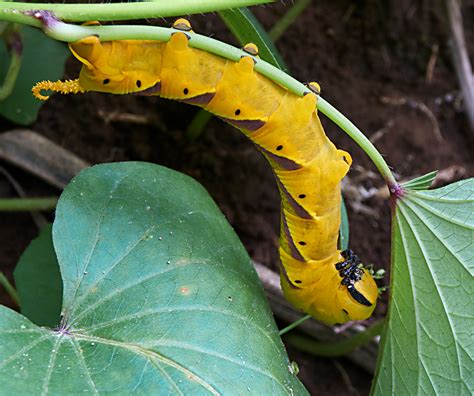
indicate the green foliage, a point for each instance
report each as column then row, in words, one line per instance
column 38, row 281
column 38, row 51
column 420, row 183
column 288, row 19
column 247, row 29
column 344, row 231
column 159, row 295
column 427, row 346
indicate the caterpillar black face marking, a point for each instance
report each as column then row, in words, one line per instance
column 351, row 273
column 359, row 297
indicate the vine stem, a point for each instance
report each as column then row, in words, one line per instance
column 68, row 32
column 338, row 348
column 293, row 325
column 356, row 134
column 11, row 76
column 120, row 11
column 286, row 20
column 27, row 204
column 15, row 47
column 9, row 289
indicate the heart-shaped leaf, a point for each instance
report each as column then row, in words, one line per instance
column 159, row 297
column 427, row 345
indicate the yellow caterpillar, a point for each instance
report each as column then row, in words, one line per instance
column 316, row 277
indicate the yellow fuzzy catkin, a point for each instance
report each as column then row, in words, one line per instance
column 63, row 87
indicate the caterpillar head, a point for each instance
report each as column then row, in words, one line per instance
column 118, row 67
column 334, row 291
column 359, row 290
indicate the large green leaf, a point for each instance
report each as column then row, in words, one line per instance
column 427, row 347
column 42, row 59
column 38, row 281
column 159, row 297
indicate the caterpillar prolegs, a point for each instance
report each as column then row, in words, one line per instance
column 316, row 277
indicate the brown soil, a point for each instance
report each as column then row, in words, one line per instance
column 360, row 53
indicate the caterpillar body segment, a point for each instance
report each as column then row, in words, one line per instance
column 119, row 67
column 316, row 277
column 315, row 238
column 245, row 98
column 205, row 72
column 295, row 116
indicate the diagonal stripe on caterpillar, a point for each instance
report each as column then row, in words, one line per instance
column 316, row 277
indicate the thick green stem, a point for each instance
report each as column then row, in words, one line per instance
column 9, row 289
column 119, row 11
column 27, row 204
column 66, row 32
column 334, row 349
column 286, row 20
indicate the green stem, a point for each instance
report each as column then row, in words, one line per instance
column 293, row 325
column 197, row 124
column 10, row 289
column 66, row 32
column 27, row 204
column 14, row 67
column 119, row 11
column 286, row 20
column 338, row 348
column 355, row 133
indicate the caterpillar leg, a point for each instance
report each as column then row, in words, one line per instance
column 314, row 87
column 251, row 49
column 182, row 24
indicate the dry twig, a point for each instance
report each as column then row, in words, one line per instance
column 462, row 65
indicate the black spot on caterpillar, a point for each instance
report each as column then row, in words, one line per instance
column 316, row 277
